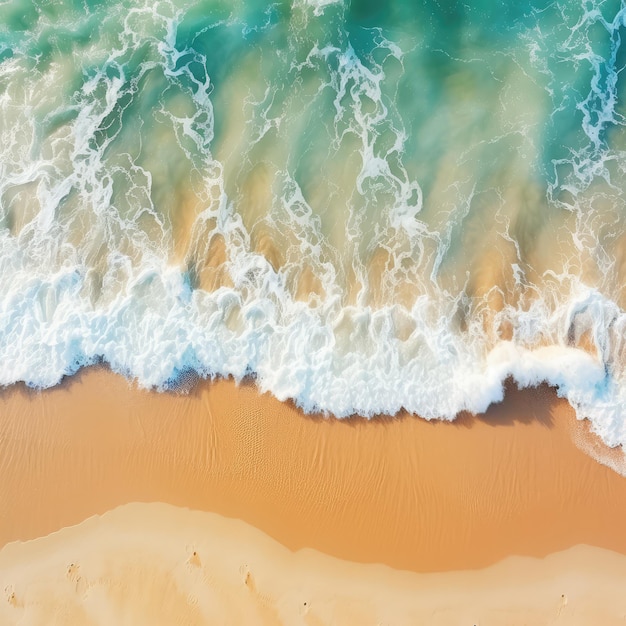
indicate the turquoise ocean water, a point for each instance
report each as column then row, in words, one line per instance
column 365, row 205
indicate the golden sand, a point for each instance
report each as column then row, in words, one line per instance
column 415, row 495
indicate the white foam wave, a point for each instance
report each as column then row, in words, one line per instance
column 342, row 361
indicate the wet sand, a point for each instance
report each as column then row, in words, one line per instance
column 414, row 495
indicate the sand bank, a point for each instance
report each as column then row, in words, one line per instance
column 157, row 564
column 404, row 492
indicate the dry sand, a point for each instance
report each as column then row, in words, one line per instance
column 402, row 492
column 155, row 564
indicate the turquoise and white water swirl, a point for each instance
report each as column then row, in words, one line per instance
column 367, row 206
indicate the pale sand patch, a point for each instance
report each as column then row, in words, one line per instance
column 158, row 564
column 412, row 494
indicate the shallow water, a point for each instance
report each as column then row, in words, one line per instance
column 367, row 206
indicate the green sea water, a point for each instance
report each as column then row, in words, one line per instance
column 365, row 205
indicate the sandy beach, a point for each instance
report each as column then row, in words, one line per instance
column 401, row 492
column 157, row 564
column 395, row 214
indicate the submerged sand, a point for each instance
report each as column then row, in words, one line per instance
column 412, row 494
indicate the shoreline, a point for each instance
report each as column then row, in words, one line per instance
column 405, row 492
